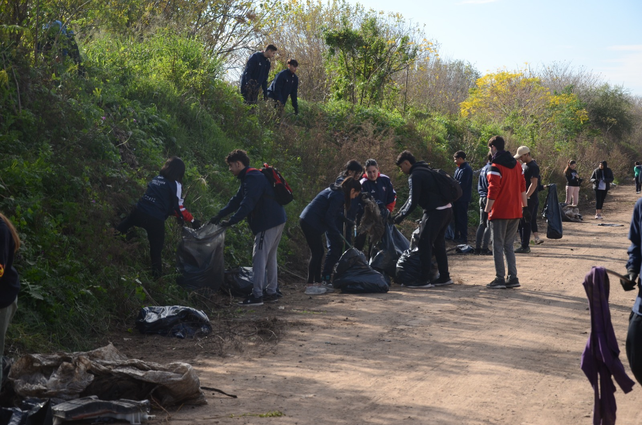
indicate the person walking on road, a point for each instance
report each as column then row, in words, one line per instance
column 464, row 175
column 255, row 75
column 533, row 181
column 256, row 202
column 637, row 175
column 601, row 179
column 483, row 231
column 423, row 192
column 506, row 205
column 572, row 184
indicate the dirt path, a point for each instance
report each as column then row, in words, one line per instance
column 456, row 355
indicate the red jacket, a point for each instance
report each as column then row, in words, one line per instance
column 505, row 186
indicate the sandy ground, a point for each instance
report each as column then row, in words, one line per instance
column 462, row 354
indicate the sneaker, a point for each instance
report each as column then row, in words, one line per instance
column 252, row 300
column 442, row 281
column 271, row 298
column 487, row 251
column 539, row 241
column 522, row 250
column 328, row 287
column 497, row 284
column 420, row 285
column 513, row 283
column 315, row 289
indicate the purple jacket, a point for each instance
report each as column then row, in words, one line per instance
column 600, row 356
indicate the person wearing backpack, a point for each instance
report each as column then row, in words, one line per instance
column 255, row 201
column 255, row 75
column 426, row 191
column 320, row 217
column 506, row 205
column 162, row 198
column 464, row 175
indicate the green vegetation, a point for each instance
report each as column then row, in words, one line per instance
column 79, row 144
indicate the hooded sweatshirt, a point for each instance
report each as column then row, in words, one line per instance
column 505, row 186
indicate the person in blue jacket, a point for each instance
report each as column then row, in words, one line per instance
column 255, row 201
column 255, row 74
column 482, row 238
column 464, row 175
column 354, row 169
column 285, row 84
column 9, row 280
column 162, row 199
column 319, row 217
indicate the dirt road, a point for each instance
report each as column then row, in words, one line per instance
column 462, row 354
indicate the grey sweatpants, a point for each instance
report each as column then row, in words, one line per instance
column 504, row 232
column 6, row 314
column 264, row 263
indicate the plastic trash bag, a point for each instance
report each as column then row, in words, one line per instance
column 199, row 258
column 92, row 408
column 392, row 245
column 414, row 238
column 173, row 320
column 38, row 414
column 409, row 267
column 464, row 249
column 353, row 275
column 239, row 281
column 553, row 214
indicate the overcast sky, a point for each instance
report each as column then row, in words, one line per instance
column 602, row 36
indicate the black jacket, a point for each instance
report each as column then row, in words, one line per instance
column 423, row 190
column 256, row 72
column 605, row 174
column 285, row 84
column 9, row 281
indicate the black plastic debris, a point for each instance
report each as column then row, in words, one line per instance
column 392, row 245
column 175, row 320
column 353, row 275
column 553, row 214
column 409, row 267
column 37, row 414
column 199, row 258
column 92, row 408
column 239, row 281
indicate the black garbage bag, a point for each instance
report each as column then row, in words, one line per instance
column 553, row 214
column 353, row 275
column 239, row 281
column 409, row 267
column 173, row 320
column 392, row 245
column 199, row 258
column 40, row 414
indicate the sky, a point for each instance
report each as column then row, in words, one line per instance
column 604, row 37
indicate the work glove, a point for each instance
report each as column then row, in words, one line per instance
column 631, row 283
column 527, row 215
column 225, row 223
column 398, row 219
column 216, row 219
column 196, row 224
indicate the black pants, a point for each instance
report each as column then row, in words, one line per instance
column 155, row 228
column 432, row 241
column 634, row 346
column 314, row 238
column 525, row 229
column 460, row 210
column 638, row 184
column 600, row 195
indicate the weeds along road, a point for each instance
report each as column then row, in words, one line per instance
column 462, row 354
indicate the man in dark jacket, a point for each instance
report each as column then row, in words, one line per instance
column 255, row 201
column 437, row 214
column 634, row 269
column 255, row 74
column 464, row 175
column 285, row 84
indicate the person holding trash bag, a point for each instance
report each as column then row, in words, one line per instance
column 255, row 201
column 162, row 198
column 9, row 280
column 424, row 192
column 601, row 179
column 320, row 216
column 380, row 188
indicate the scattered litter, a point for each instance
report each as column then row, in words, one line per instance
column 175, row 320
column 610, row 225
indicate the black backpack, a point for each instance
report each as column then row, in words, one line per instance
column 282, row 191
column 449, row 188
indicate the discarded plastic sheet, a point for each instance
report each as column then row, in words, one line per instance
column 464, row 249
column 199, row 258
column 36, row 414
column 239, row 281
column 392, row 245
column 353, row 275
column 105, row 373
column 175, row 320
column 87, row 408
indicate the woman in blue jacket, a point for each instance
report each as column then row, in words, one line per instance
column 319, row 217
column 162, row 199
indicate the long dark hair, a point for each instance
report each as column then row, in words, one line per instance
column 12, row 229
column 174, row 169
column 346, row 186
column 568, row 170
column 352, row 166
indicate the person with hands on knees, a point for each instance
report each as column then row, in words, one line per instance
column 425, row 193
column 256, row 202
column 9, row 280
column 320, row 217
column 162, row 199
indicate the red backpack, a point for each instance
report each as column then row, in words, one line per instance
column 282, row 191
